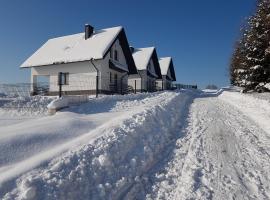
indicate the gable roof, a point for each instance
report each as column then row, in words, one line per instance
column 142, row 58
column 74, row 48
column 166, row 64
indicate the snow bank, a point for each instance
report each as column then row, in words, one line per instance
column 66, row 101
column 108, row 103
column 256, row 108
column 58, row 103
column 267, row 86
column 24, row 106
column 109, row 165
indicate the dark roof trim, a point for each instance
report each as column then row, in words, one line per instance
column 62, row 63
column 126, row 50
column 171, row 68
column 156, row 63
column 151, row 75
column 114, row 67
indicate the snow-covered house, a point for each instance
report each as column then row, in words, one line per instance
column 146, row 61
column 167, row 72
column 85, row 61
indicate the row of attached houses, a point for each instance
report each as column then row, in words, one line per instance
column 99, row 60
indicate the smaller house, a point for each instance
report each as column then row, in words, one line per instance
column 146, row 61
column 85, row 63
column 167, row 72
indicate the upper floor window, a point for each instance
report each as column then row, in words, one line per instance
column 111, row 53
column 115, row 55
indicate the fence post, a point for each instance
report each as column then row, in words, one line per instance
column 97, row 86
column 60, row 83
column 135, row 86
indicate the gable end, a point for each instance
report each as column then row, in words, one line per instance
column 122, row 38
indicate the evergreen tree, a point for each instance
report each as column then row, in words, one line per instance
column 238, row 67
column 257, row 44
column 250, row 65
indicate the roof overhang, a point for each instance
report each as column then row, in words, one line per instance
column 156, row 64
column 151, row 74
column 117, row 66
column 171, row 68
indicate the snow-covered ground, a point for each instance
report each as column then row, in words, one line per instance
column 223, row 154
column 96, row 150
column 166, row 145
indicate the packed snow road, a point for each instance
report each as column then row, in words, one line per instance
column 223, row 154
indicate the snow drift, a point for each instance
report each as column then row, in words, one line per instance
column 255, row 106
column 105, row 162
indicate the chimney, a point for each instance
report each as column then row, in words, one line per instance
column 88, row 31
column 132, row 49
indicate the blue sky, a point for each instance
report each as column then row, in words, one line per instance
column 199, row 35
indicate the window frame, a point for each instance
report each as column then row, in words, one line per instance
column 64, row 78
column 111, row 53
column 115, row 57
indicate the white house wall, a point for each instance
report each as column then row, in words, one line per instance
column 134, row 81
column 144, row 80
column 105, row 71
column 76, row 82
column 77, row 67
column 166, row 83
column 121, row 56
column 159, row 84
column 82, row 75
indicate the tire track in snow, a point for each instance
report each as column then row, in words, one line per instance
column 227, row 157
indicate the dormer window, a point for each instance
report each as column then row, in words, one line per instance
column 115, row 55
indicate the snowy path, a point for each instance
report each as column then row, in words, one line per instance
column 223, row 155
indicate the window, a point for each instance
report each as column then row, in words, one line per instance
column 115, row 55
column 63, row 78
column 111, row 53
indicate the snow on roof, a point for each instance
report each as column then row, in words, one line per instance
column 164, row 64
column 142, row 57
column 73, row 48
